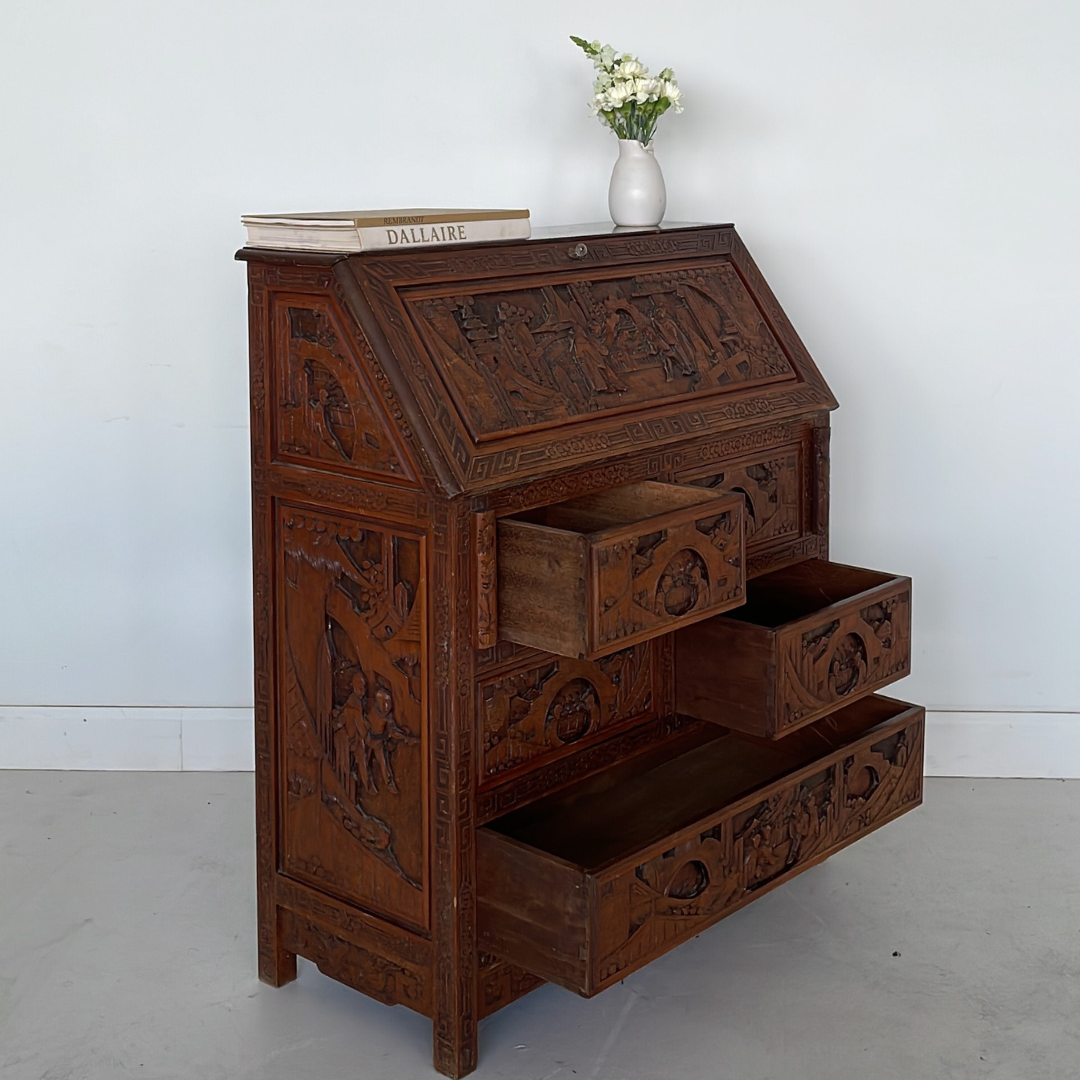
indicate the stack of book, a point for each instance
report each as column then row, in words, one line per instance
column 374, row 230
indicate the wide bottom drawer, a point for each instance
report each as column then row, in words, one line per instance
column 590, row 883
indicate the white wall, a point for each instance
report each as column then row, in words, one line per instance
column 904, row 171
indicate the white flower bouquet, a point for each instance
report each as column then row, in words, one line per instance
column 625, row 97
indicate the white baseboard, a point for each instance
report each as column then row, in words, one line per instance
column 46, row 737
column 69, row 737
column 1020, row 744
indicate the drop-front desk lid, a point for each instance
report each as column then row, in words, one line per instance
column 520, row 358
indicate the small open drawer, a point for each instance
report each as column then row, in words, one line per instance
column 586, row 885
column 588, row 576
column 809, row 638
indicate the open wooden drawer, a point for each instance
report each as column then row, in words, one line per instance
column 588, row 576
column 809, row 638
column 588, row 884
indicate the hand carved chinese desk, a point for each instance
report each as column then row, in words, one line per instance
column 552, row 670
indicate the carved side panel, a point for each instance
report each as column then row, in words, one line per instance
column 325, row 409
column 676, row 894
column 519, row 358
column 644, row 583
column 352, row 658
column 535, row 714
column 824, row 666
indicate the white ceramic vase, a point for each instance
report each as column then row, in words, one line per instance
column 637, row 195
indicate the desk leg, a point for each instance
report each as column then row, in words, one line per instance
column 277, row 966
column 451, row 721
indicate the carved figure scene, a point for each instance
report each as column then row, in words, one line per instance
column 771, row 490
column 789, row 826
column 352, row 664
column 523, row 357
column 529, row 715
column 846, row 657
column 325, row 412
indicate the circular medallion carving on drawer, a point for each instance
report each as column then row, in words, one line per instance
column 862, row 783
column 689, row 881
column 574, row 710
column 848, row 665
column 683, row 584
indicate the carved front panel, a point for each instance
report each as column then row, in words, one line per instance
column 534, row 714
column 648, row 583
column 823, row 666
column 325, row 413
column 776, row 491
column 655, row 905
column 352, row 664
column 568, row 347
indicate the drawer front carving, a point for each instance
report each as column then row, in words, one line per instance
column 646, row 583
column 845, row 657
column 671, row 897
column 352, row 662
column 776, row 491
column 810, row 638
column 590, row 575
column 534, row 714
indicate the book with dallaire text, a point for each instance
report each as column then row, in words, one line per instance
column 349, row 231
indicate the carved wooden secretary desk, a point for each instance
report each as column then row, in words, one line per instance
column 552, row 669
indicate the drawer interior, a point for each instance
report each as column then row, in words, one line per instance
column 790, row 594
column 616, row 508
column 606, row 819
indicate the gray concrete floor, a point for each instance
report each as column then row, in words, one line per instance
column 945, row 946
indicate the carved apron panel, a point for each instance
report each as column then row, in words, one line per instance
column 535, row 714
column 521, row 358
column 841, row 660
column 671, row 897
column 352, row 663
column 390, row 981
